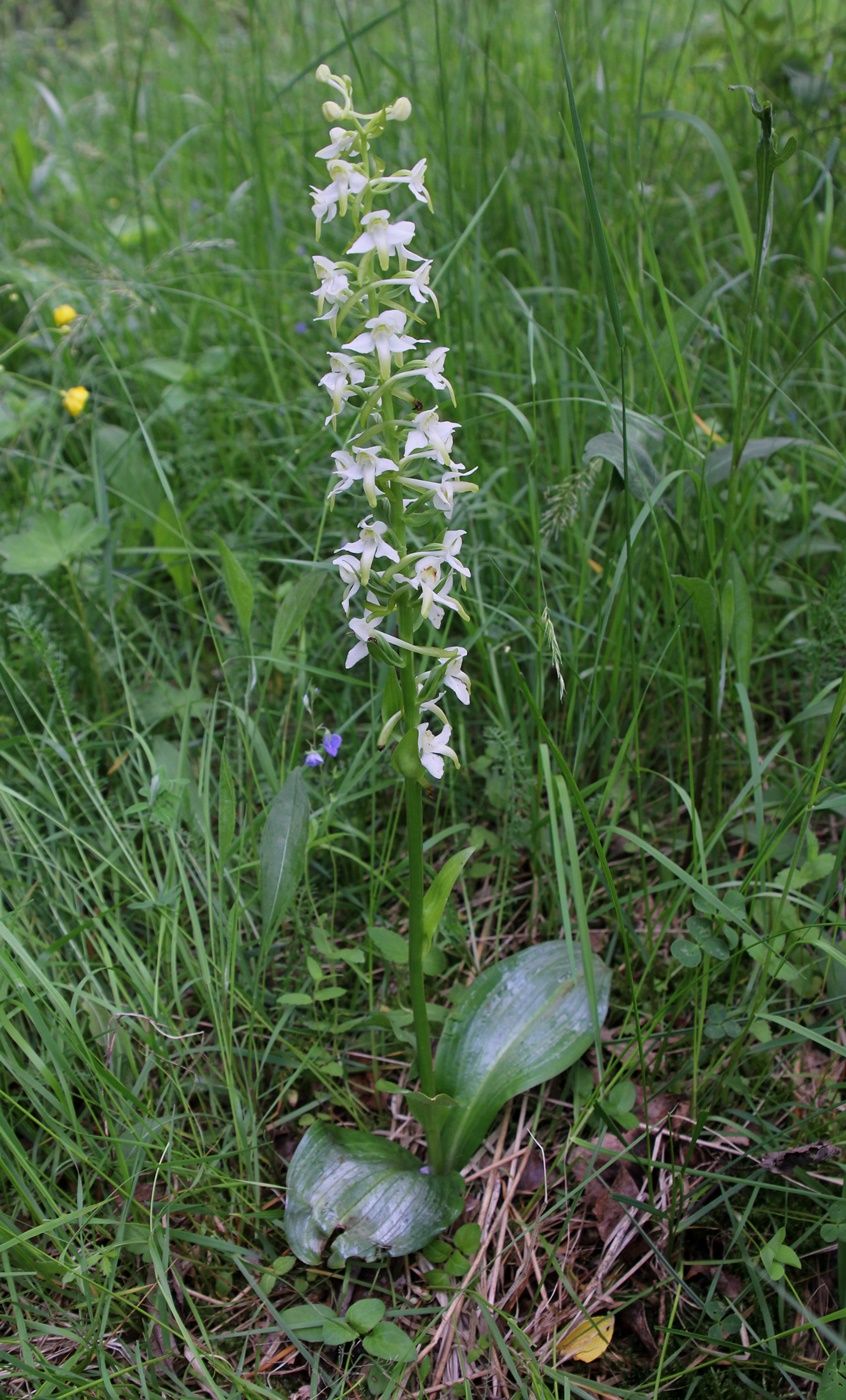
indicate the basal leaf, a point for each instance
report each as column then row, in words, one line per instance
column 283, row 848
column 379, row 1197
column 524, row 1020
column 52, row 538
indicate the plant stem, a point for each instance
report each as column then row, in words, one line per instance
column 414, row 817
column 414, row 836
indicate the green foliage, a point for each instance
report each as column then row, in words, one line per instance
column 522, row 1021
column 283, row 846
column 379, row 1197
column 50, row 540
column 159, row 1056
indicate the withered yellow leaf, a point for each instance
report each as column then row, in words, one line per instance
column 588, row 1340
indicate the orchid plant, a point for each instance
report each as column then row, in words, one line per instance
column 402, row 576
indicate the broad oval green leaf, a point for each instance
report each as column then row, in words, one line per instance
column 379, row 1196
column 283, row 848
column 524, row 1020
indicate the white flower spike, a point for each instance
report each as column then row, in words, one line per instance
column 398, row 454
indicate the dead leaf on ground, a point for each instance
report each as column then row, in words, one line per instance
column 588, row 1340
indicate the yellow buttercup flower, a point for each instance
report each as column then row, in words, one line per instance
column 75, row 399
column 63, row 315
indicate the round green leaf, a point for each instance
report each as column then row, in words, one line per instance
column 388, row 1342
column 365, row 1314
column 686, row 953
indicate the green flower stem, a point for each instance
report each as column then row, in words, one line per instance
column 414, row 825
column 413, row 807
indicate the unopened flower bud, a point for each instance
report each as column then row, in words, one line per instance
column 399, row 111
column 324, row 73
column 332, row 110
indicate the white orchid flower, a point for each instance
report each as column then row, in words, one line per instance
column 452, row 484
column 454, row 677
column 339, row 390
column 434, row 368
column 346, row 180
column 448, row 551
column 340, row 363
column 383, row 335
column 426, row 580
column 362, row 464
column 334, row 284
column 412, row 178
column 383, row 237
column 371, row 545
column 418, row 285
column 344, row 374
column 366, row 630
column 434, row 748
column 431, row 436
column 340, row 141
column 324, row 205
column 349, row 569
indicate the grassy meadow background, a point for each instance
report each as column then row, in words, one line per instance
column 653, row 756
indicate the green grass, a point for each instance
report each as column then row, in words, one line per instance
column 651, row 764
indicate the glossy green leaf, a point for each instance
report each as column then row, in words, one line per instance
column 436, row 896
column 52, row 538
column 524, row 1020
column 430, row 1112
column 379, row 1197
column 283, row 848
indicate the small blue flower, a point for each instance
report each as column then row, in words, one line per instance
column 313, row 759
column 331, row 744
column 301, row 328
